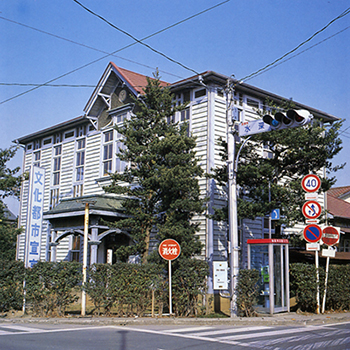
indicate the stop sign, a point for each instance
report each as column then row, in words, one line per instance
column 330, row 235
column 169, row 249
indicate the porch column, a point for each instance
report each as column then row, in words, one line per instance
column 53, row 246
column 94, row 245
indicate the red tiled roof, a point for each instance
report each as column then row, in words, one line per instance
column 136, row 80
column 338, row 191
column 338, row 207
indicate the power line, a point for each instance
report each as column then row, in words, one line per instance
column 134, row 38
column 344, row 13
column 297, row 54
column 90, row 47
column 111, row 54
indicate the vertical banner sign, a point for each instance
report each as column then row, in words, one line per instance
column 34, row 216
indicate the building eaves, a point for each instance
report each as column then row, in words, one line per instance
column 338, row 192
column 54, row 129
column 211, row 77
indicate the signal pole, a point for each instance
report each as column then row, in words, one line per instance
column 233, row 249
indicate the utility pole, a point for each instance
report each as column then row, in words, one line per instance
column 233, row 250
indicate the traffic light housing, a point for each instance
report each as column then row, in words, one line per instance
column 291, row 119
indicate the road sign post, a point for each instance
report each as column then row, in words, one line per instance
column 169, row 250
column 311, row 183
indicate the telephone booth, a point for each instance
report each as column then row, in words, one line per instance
column 271, row 258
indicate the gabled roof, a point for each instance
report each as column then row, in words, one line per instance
column 135, row 80
column 339, row 191
column 338, row 207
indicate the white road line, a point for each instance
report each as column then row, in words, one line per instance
column 290, row 331
column 233, row 330
column 188, row 329
column 20, row 328
column 37, row 330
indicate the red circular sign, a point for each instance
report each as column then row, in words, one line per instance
column 311, row 183
column 312, row 233
column 169, row 249
column 330, row 235
column 312, row 210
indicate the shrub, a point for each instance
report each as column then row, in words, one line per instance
column 50, row 285
column 11, row 285
column 247, row 291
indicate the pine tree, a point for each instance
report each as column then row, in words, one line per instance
column 161, row 183
column 292, row 154
column 9, row 186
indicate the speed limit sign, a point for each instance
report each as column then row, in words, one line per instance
column 311, row 183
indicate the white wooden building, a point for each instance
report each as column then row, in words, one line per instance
column 79, row 154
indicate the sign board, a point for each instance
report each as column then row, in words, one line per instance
column 35, row 216
column 253, row 127
column 328, row 253
column 169, row 249
column 275, row 215
column 312, row 233
column 330, row 235
column 312, row 246
column 311, row 196
column 220, row 275
column 312, row 210
column 311, row 183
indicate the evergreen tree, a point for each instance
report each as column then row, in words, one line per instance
column 9, row 185
column 288, row 155
column 161, row 183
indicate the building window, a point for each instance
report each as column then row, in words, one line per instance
column 252, row 103
column 200, row 93
column 57, row 138
column 54, row 197
column 80, row 160
column 120, row 165
column 47, row 141
column 69, row 134
column 36, row 158
column 56, row 165
column 75, row 251
column 107, row 157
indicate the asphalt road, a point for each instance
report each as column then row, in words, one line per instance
column 38, row 336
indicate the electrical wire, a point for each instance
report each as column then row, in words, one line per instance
column 114, row 52
column 299, row 53
column 93, row 48
column 135, row 39
column 344, row 13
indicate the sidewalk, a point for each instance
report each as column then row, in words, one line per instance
column 282, row 319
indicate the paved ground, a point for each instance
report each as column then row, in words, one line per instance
column 277, row 319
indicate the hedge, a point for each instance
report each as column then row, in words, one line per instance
column 127, row 289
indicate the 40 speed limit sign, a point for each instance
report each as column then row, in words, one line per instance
column 311, row 183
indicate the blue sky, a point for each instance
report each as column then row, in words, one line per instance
column 237, row 37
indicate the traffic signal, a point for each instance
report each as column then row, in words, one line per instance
column 291, row 119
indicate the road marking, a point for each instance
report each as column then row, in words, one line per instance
column 235, row 330
column 188, row 329
column 20, row 328
column 271, row 333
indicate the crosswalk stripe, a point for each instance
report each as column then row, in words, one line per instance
column 267, row 334
column 233, row 330
column 188, row 329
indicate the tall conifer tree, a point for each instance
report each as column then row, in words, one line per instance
column 161, row 183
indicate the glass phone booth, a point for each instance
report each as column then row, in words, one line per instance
column 271, row 258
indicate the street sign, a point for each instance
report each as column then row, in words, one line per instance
column 312, row 233
column 169, row 249
column 312, row 210
column 311, row 183
column 312, row 246
column 220, row 275
column 275, row 215
column 328, row 253
column 330, row 235
column 253, row 127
